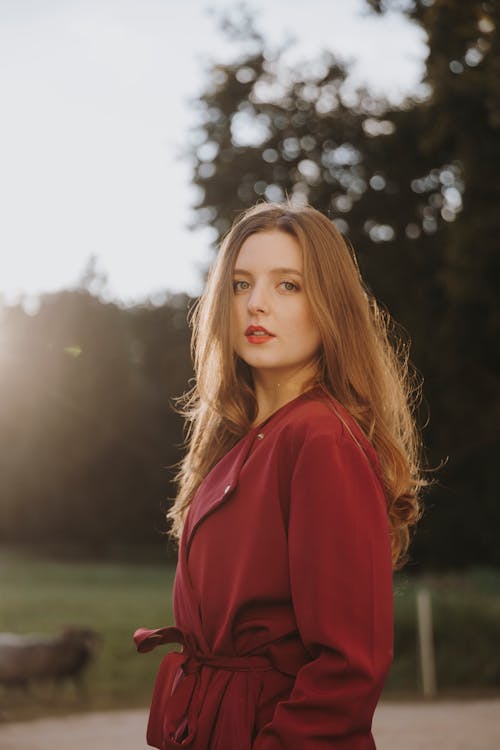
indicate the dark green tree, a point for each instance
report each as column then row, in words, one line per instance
column 459, row 125
column 87, row 432
column 414, row 189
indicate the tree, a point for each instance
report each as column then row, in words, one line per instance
column 269, row 132
column 460, row 125
column 414, row 188
column 87, row 435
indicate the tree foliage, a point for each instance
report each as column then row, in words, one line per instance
column 87, row 431
column 415, row 188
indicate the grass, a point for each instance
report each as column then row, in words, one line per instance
column 466, row 627
column 41, row 594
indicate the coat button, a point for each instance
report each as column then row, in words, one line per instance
column 227, row 488
column 260, row 435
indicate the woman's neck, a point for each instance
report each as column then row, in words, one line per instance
column 272, row 395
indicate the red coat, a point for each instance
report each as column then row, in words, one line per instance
column 283, row 594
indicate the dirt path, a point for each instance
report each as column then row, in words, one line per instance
column 467, row 725
column 471, row 725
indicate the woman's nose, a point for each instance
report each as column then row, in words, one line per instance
column 257, row 300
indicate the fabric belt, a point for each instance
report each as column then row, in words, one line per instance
column 179, row 709
column 147, row 640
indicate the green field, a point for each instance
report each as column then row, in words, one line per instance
column 466, row 626
column 41, row 595
column 38, row 594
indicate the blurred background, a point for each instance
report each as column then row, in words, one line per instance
column 131, row 135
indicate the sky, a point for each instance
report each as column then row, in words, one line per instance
column 96, row 100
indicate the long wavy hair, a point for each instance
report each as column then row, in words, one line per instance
column 363, row 363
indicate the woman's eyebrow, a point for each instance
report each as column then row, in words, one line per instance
column 244, row 272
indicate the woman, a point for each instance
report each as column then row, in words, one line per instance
column 296, row 497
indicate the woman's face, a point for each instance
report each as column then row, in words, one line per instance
column 269, row 293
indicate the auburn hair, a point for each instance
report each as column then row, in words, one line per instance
column 363, row 363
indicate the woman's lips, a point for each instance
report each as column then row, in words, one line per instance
column 260, row 338
column 258, row 335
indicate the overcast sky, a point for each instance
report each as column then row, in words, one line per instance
column 95, row 98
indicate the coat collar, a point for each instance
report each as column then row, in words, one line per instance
column 221, row 482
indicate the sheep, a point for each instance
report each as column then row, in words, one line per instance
column 33, row 657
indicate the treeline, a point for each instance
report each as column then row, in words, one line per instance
column 88, row 434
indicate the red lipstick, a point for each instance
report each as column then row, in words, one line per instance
column 258, row 335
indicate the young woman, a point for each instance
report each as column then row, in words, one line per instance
column 296, row 497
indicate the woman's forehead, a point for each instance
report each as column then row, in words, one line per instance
column 270, row 250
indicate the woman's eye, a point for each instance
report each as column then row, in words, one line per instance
column 289, row 285
column 236, row 286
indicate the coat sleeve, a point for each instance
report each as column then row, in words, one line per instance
column 341, row 584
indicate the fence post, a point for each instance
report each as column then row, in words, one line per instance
column 426, row 642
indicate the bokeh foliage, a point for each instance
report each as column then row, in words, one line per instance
column 88, row 433
column 415, row 188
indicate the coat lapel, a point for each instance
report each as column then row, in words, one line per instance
column 222, row 480
column 218, row 486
